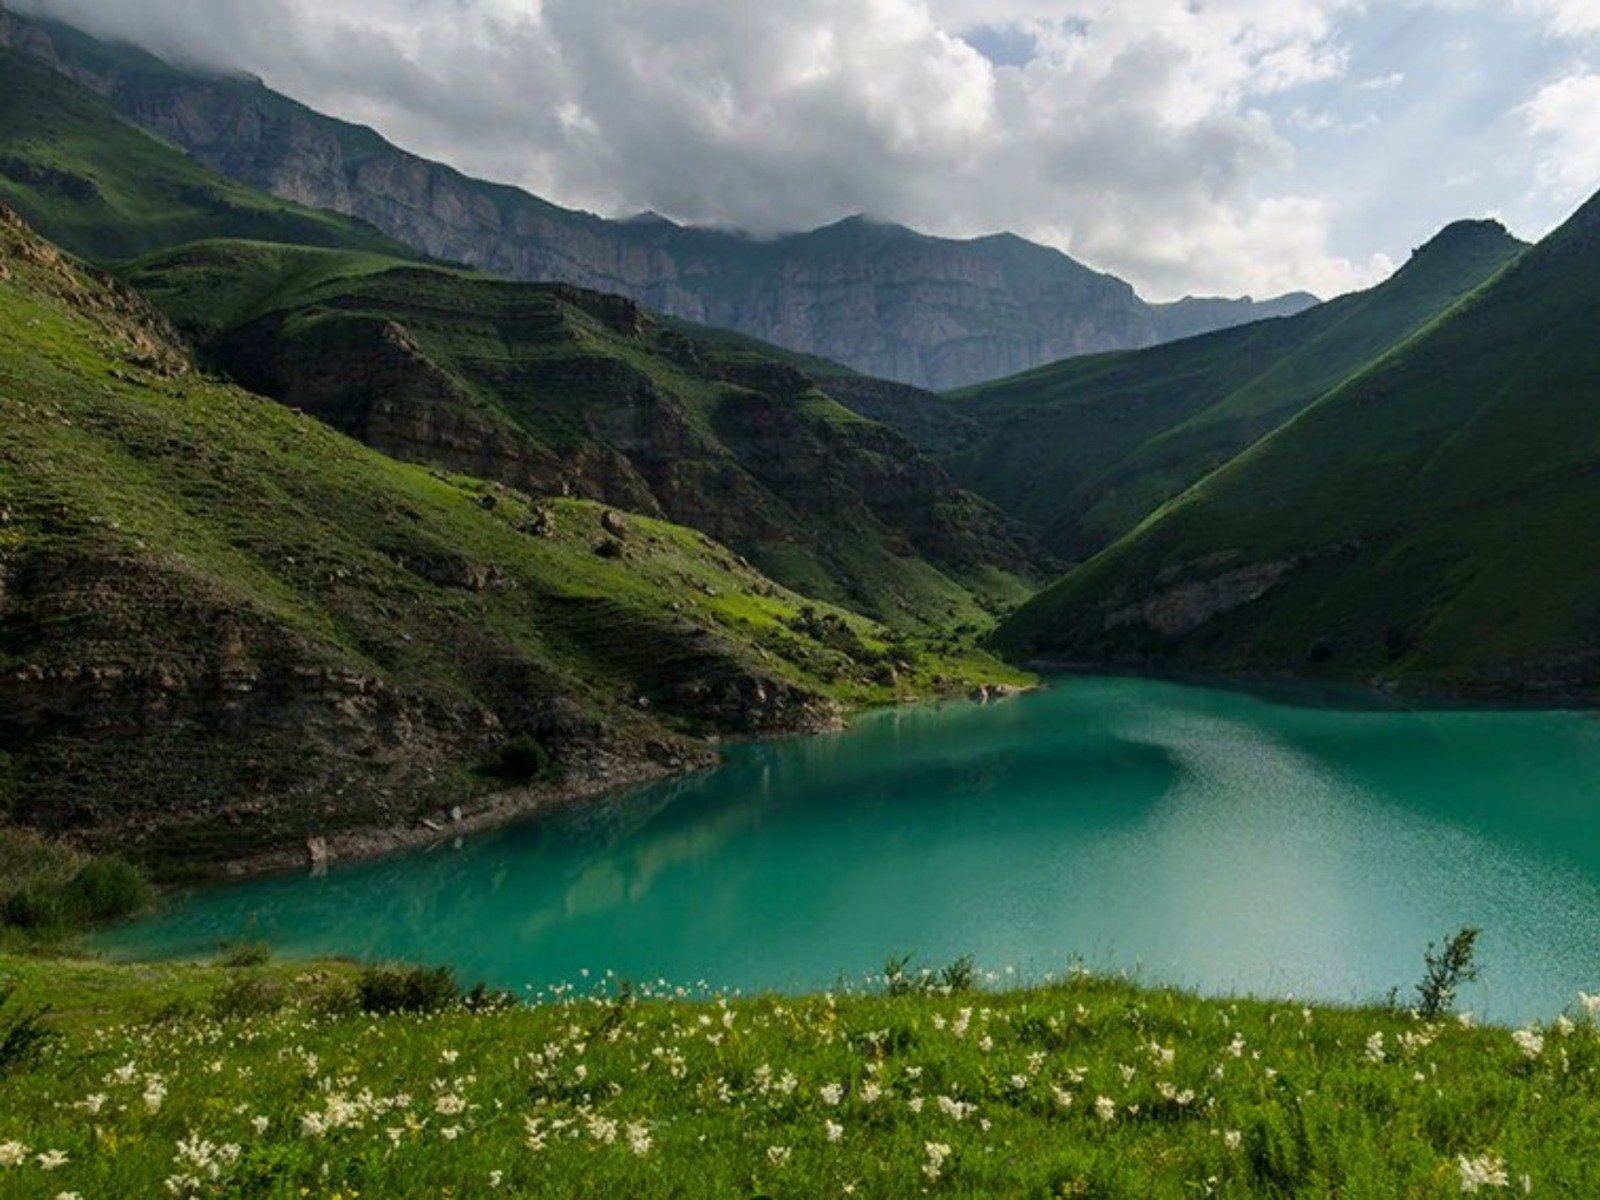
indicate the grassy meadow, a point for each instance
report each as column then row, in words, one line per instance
column 247, row 1077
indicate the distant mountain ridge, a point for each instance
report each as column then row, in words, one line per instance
column 882, row 299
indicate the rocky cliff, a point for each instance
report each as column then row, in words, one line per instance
column 928, row 311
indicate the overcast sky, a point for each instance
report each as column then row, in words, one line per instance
column 1190, row 146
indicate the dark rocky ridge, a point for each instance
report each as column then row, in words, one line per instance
column 882, row 299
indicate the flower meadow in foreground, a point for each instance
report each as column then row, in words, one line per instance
column 1085, row 1087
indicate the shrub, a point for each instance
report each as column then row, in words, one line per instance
column 23, row 1034
column 102, row 889
column 397, row 989
column 247, row 996
column 245, row 954
column 522, row 760
column 1447, row 970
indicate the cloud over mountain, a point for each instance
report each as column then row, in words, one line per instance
column 1132, row 133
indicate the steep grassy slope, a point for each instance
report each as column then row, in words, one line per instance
column 885, row 299
column 225, row 628
column 107, row 190
column 1430, row 522
column 1085, row 449
column 556, row 390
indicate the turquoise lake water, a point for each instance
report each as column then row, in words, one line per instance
column 1202, row 837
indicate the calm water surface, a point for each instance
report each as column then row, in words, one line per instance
column 1194, row 836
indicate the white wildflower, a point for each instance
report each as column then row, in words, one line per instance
column 831, row 1093
column 448, row 1057
column 778, row 1156
column 1105, row 1108
column 870, row 1093
column 1530, row 1041
column 832, row 1130
column 50, row 1160
column 638, row 1135
column 1062, row 1096
column 12, row 1154
column 1485, row 1171
column 450, row 1132
column 1589, row 1004
column 955, row 1109
column 91, row 1104
column 1375, row 1052
column 260, row 1124
column 154, row 1093
column 938, row 1153
column 1232, row 1139
column 449, row 1105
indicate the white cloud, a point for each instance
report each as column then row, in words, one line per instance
column 1133, row 136
column 1570, row 18
column 1565, row 115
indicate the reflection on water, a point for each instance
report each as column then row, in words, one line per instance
column 1202, row 837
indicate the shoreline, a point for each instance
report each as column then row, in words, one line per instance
column 1383, row 695
column 499, row 810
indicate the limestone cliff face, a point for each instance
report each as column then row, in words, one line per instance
column 882, row 299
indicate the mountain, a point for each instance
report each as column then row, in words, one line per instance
column 226, row 628
column 880, row 298
column 1083, row 450
column 557, row 390
column 88, row 179
column 601, row 401
column 1429, row 523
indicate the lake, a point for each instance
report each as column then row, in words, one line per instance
column 1223, row 840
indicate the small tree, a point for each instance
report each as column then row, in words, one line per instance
column 1447, row 970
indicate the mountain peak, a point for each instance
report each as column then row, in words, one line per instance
column 1466, row 235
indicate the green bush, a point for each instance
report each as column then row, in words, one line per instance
column 522, row 760
column 101, row 889
column 23, row 1034
column 247, row 996
column 245, row 954
column 400, row 989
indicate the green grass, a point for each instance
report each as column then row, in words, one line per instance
column 108, row 190
column 549, row 388
column 228, row 628
column 1086, row 449
column 266, row 1082
column 1433, row 513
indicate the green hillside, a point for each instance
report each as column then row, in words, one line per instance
column 560, row 391
column 1084, row 450
column 1430, row 523
column 107, row 190
column 226, row 628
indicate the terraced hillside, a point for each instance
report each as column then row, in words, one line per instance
column 1084, row 450
column 226, row 628
column 557, row 390
column 1430, row 523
